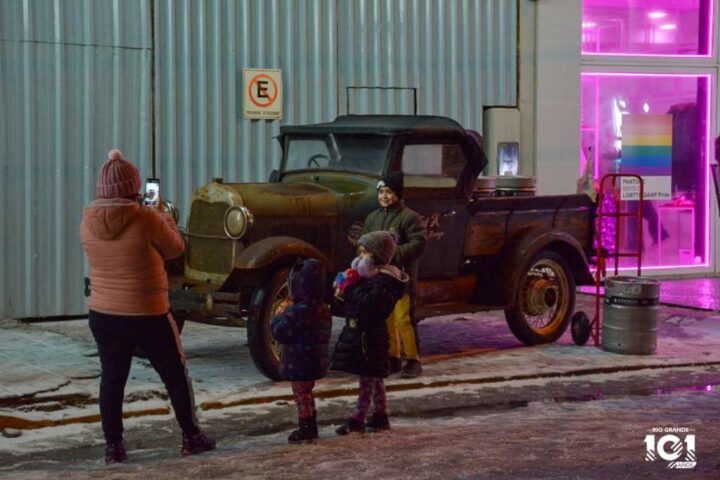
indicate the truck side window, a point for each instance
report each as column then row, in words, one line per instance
column 432, row 165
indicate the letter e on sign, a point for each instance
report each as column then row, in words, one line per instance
column 262, row 97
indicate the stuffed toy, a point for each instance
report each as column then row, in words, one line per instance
column 343, row 280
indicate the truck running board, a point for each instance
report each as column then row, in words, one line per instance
column 454, row 308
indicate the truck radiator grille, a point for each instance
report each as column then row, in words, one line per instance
column 212, row 255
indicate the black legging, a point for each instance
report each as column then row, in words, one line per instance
column 116, row 337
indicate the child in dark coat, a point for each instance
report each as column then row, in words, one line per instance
column 304, row 332
column 362, row 348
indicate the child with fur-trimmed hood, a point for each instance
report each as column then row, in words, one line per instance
column 362, row 348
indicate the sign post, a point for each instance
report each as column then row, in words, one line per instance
column 262, row 97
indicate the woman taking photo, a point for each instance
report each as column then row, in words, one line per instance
column 126, row 245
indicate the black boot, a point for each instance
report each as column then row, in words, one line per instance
column 115, row 453
column 306, row 433
column 314, row 424
column 197, row 443
column 351, row 425
column 377, row 423
column 394, row 364
column 412, row 369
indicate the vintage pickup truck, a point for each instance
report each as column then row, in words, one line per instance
column 523, row 254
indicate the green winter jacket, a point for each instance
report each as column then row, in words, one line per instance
column 409, row 227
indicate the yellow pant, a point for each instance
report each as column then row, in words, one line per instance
column 400, row 326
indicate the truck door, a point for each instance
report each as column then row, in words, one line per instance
column 433, row 171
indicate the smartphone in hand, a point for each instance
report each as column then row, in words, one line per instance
column 152, row 192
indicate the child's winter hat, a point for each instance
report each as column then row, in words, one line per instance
column 395, row 181
column 381, row 245
column 118, row 177
column 307, row 281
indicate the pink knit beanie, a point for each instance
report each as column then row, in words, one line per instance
column 118, row 177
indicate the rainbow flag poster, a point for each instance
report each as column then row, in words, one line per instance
column 647, row 151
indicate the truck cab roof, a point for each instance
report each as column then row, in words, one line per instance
column 379, row 124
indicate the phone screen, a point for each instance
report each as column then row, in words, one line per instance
column 152, row 191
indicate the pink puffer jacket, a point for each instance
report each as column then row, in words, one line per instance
column 126, row 246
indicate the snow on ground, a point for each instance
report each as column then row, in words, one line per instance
column 600, row 439
column 465, row 356
column 35, row 440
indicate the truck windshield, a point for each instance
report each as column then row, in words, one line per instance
column 365, row 153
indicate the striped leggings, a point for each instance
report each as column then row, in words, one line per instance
column 304, row 399
column 372, row 389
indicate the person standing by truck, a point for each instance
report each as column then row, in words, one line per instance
column 126, row 245
column 393, row 216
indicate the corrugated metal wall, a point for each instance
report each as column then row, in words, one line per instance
column 201, row 51
column 459, row 55
column 74, row 81
column 80, row 72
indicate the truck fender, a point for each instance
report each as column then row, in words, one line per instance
column 522, row 249
column 263, row 254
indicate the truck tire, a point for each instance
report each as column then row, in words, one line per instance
column 544, row 301
column 269, row 299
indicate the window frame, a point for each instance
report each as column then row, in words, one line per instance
column 635, row 58
column 456, row 192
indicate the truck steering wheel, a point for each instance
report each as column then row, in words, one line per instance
column 314, row 159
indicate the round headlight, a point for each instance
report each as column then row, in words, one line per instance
column 238, row 220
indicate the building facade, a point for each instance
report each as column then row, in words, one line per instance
column 163, row 81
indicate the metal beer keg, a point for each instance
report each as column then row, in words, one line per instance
column 515, row 186
column 630, row 315
column 484, row 187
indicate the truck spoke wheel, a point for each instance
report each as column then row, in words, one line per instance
column 279, row 305
column 544, row 294
column 270, row 299
column 545, row 300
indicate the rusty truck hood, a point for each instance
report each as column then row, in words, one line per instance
column 321, row 210
column 288, row 199
column 325, row 194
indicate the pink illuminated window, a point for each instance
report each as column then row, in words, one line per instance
column 656, row 126
column 647, row 27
